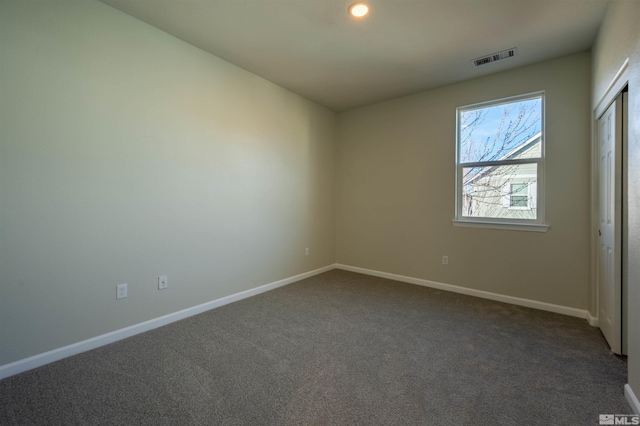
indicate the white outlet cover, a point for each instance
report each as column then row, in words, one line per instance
column 121, row 291
column 163, row 282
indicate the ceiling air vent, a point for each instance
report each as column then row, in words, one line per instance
column 505, row 54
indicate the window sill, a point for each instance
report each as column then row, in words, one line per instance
column 531, row 227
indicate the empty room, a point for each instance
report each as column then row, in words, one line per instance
column 289, row 212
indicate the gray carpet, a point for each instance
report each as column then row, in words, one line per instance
column 338, row 348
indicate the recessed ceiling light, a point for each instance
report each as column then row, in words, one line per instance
column 358, row 10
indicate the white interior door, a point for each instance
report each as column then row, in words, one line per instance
column 609, row 242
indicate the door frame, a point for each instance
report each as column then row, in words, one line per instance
column 617, row 85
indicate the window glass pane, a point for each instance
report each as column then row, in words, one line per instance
column 501, row 132
column 519, row 200
column 519, row 197
column 507, row 192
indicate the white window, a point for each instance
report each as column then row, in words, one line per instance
column 500, row 163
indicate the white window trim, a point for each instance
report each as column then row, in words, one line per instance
column 537, row 225
column 531, row 227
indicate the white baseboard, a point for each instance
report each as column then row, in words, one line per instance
column 39, row 360
column 593, row 321
column 632, row 399
column 35, row 361
column 565, row 310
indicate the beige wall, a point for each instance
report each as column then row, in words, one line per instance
column 619, row 39
column 127, row 154
column 395, row 190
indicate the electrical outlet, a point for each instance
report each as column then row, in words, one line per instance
column 306, row 251
column 163, row 282
column 121, row 291
column 445, row 260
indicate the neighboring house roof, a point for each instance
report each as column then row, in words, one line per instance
column 513, row 154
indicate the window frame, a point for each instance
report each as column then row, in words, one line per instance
column 519, row 194
column 538, row 224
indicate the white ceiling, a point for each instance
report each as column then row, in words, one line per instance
column 313, row 48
